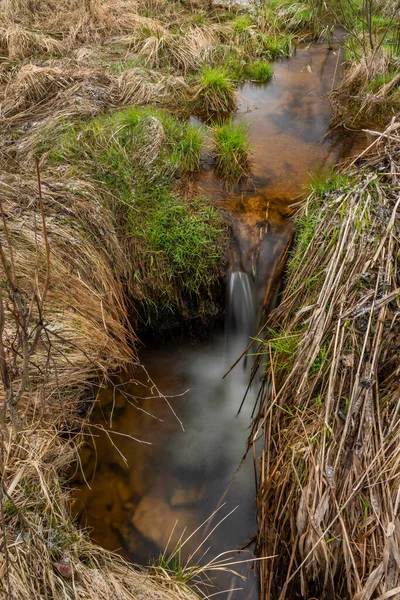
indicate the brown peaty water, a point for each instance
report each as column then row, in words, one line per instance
column 140, row 493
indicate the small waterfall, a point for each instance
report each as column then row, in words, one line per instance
column 241, row 306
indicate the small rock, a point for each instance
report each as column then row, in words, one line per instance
column 64, row 568
column 156, row 520
column 124, row 491
column 185, row 497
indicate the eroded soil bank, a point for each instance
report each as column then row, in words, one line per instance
column 141, row 495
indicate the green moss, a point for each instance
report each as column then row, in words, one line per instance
column 9, row 508
column 232, row 150
column 59, row 541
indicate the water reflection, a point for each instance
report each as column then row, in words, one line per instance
column 177, row 482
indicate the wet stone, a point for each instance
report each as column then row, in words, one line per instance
column 185, row 496
column 155, row 519
column 124, row 491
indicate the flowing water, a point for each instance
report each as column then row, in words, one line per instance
column 144, row 496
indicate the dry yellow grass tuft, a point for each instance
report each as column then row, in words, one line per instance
column 370, row 90
column 86, row 319
column 38, row 99
column 17, row 42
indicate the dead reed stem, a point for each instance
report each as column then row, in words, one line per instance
column 328, row 496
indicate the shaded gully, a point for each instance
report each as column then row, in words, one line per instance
column 144, row 497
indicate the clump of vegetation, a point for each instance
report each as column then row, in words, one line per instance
column 182, row 236
column 372, row 53
column 259, row 70
column 232, row 150
column 273, row 46
column 175, row 242
column 375, row 84
column 216, row 92
column 326, row 181
column 245, row 33
column 189, row 148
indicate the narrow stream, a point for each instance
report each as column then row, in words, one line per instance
column 144, row 497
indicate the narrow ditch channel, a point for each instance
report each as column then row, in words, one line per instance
column 143, row 497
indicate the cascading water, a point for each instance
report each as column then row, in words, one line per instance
column 241, row 306
column 184, row 476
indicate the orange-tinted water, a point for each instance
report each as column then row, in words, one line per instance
column 139, row 492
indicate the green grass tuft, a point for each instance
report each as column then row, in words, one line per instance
column 284, row 346
column 242, row 24
column 216, row 93
column 188, row 149
column 327, row 181
column 276, row 46
column 375, row 84
column 185, row 233
column 232, row 150
column 259, row 70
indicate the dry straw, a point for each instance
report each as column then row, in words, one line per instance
column 63, row 329
column 328, row 500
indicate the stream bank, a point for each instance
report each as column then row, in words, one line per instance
column 176, row 484
column 329, row 414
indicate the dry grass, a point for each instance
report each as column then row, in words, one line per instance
column 86, row 318
column 183, row 51
column 63, row 329
column 143, row 24
column 18, row 42
column 370, row 89
column 43, row 554
column 328, row 500
column 38, row 99
column 75, row 21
